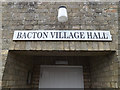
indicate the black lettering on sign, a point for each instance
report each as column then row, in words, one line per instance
column 34, row 34
column 56, row 34
column 29, row 35
column 19, row 35
column 95, row 35
column 45, row 34
column 67, row 35
column 76, row 35
column 64, row 34
column 82, row 35
column 60, row 35
column 71, row 35
column 99, row 35
column 105, row 36
column 24, row 35
column 89, row 34
column 39, row 35
column 53, row 34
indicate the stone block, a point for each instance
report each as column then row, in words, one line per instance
column 12, row 46
column 84, row 46
column 95, row 46
column 72, row 45
column 36, row 27
column 28, row 45
column 77, row 27
column 106, row 46
column 39, row 45
column 90, row 46
column 28, row 27
column 66, row 45
column 58, row 46
column 4, row 52
column 33, row 45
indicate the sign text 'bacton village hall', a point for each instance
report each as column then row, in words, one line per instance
column 62, row 35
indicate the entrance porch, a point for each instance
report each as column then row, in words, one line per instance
column 23, row 68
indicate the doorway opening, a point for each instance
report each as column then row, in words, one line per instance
column 99, row 69
column 55, row 76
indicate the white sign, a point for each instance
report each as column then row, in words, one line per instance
column 63, row 35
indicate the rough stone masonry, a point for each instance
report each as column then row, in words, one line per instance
column 36, row 15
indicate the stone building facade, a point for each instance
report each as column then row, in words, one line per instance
column 100, row 59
